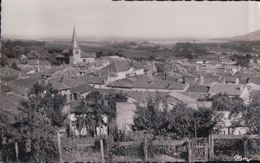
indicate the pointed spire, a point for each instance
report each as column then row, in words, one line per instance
column 74, row 39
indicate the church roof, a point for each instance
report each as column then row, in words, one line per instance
column 74, row 39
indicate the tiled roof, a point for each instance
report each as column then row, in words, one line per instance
column 123, row 83
column 5, row 88
column 147, row 83
column 9, row 108
column 59, row 85
column 229, row 89
column 118, row 66
column 6, row 71
column 22, row 86
column 198, row 89
column 230, row 78
column 83, row 88
column 72, row 82
column 182, row 98
column 93, row 79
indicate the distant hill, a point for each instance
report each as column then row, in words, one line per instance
column 252, row 36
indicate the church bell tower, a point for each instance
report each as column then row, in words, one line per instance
column 76, row 51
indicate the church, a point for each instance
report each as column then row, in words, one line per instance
column 75, row 55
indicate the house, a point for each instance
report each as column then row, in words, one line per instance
column 22, row 86
column 94, row 80
column 140, row 83
column 25, row 71
column 9, row 108
column 125, row 115
column 38, row 65
column 123, row 69
column 8, row 74
column 197, row 91
column 229, row 89
column 231, row 80
column 75, row 55
column 81, row 91
column 227, row 128
column 190, row 102
column 23, row 59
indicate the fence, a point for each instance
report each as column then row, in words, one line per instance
column 188, row 150
column 191, row 150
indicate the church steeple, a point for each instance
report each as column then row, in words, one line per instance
column 75, row 58
column 74, row 39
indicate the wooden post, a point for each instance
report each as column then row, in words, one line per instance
column 189, row 150
column 209, row 147
column 102, row 150
column 59, row 146
column 212, row 147
column 245, row 147
column 145, row 151
column 16, row 151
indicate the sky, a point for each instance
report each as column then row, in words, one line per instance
column 106, row 18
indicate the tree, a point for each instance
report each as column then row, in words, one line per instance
column 92, row 109
column 252, row 113
column 37, row 125
column 178, row 122
column 222, row 102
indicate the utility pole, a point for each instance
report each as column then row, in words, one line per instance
column 102, row 150
column 16, row 151
column 59, row 146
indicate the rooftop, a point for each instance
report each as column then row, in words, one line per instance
column 118, row 66
column 9, row 108
column 59, row 85
column 147, row 83
column 229, row 89
column 198, row 89
column 83, row 88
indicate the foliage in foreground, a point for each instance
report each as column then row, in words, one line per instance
column 176, row 123
column 36, row 127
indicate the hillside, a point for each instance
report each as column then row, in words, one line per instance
column 252, row 36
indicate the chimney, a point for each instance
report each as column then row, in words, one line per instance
column 201, row 80
column 237, row 80
column 197, row 67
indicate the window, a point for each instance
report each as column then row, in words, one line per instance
column 76, row 52
column 84, row 60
